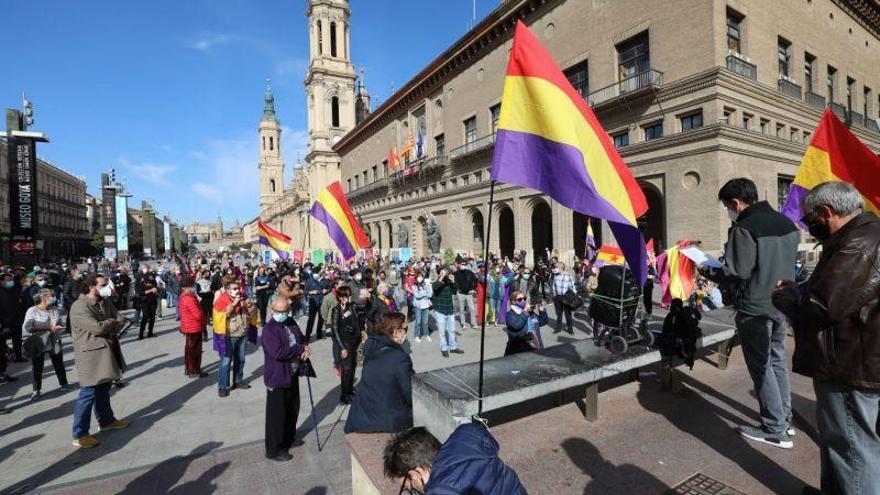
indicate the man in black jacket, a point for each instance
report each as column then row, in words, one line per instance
column 11, row 319
column 465, row 294
column 837, row 336
column 760, row 251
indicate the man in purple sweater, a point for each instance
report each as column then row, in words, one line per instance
column 286, row 359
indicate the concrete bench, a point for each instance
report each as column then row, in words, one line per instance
column 445, row 398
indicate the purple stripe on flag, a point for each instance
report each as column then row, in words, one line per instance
column 333, row 228
column 792, row 206
column 283, row 255
column 632, row 244
column 554, row 168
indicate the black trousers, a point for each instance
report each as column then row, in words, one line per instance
column 282, row 409
column 263, row 304
column 647, row 296
column 348, row 365
column 57, row 364
column 562, row 309
column 148, row 316
column 314, row 310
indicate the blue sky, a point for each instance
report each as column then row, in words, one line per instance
column 169, row 92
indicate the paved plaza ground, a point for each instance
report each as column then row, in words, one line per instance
column 184, row 439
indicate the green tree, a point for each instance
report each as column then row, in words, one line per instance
column 448, row 256
column 98, row 240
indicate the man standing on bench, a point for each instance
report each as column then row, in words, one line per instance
column 760, row 251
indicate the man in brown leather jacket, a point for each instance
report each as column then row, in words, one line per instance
column 836, row 317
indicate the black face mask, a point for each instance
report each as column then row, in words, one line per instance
column 820, row 231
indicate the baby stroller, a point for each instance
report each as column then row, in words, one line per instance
column 619, row 320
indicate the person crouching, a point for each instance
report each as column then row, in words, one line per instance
column 286, row 356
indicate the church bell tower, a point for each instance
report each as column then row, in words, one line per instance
column 271, row 164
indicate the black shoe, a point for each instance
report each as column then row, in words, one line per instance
column 223, row 392
column 445, row 354
column 140, row 337
column 151, row 336
column 457, row 351
column 281, row 456
column 557, row 330
column 202, row 374
column 120, row 384
column 242, row 386
column 345, row 400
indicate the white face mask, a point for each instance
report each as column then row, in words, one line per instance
column 402, row 339
column 105, row 291
column 420, row 279
column 358, row 277
column 733, row 214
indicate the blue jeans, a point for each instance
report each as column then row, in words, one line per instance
column 763, row 345
column 235, row 348
column 420, row 327
column 849, row 441
column 171, row 300
column 446, row 329
column 467, row 305
column 99, row 396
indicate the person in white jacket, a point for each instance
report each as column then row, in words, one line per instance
column 422, row 294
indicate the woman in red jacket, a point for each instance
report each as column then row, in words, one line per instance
column 192, row 323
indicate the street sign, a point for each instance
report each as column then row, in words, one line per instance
column 22, row 246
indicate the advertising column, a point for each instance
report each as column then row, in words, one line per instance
column 121, row 226
column 167, row 232
column 22, row 156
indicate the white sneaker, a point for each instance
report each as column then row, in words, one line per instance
column 418, row 340
column 429, row 338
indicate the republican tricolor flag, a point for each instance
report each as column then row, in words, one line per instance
column 548, row 139
column 274, row 239
column 331, row 208
column 835, row 154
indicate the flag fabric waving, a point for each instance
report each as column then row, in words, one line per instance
column 331, row 208
column 548, row 139
column 611, row 255
column 590, row 241
column 408, row 148
column 274, row 239
column 677, row 274
column 835, row 153
column 393, row 159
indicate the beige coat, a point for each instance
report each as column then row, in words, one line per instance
column 93, row 323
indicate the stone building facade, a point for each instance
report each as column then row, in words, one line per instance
column 692, row 94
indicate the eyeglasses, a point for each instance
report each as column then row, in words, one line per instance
column 518, row 299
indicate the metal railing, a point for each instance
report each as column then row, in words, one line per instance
column 855, row 118
column 838, row 110
column 741, row 67
column 649, row 79
column 472, row 146
column 435, row 163
column 372, row 186
column 872, row 125
column 815, row 100
column 789, row 88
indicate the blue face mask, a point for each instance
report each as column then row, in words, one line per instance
column 9, row 284
column 280, row 317
column 52, row 300
column 521, row 304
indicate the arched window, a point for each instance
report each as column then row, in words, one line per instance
column 320, row 39
column 264, row 142
column 271, row 143
column 272, row 185
column 332, row 39
column 334, row 111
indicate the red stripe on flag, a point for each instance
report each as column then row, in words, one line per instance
column 335, row 190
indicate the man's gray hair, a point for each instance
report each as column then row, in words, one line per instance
column 841, row 197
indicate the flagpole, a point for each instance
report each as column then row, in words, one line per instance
column 485, row 283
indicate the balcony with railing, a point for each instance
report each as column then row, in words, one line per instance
column 739, row 66
column 872, row 124
column 630, row 87
column 472, row 147
column 838, row 110
column 815, row 100
column 419, row 168
column 789, row 88
column 367, row 188
column 855, row 118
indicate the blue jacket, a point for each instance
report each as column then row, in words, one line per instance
column 383, row 403
column 468, row 463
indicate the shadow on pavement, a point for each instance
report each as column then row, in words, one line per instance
column 10, row 449
column 163, row 476
column 693, row 414
column 605, row 476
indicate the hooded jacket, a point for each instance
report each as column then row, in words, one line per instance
column 383, row 403
column 468, row 463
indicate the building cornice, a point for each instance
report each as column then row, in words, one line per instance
column 865, row 12
column 492, row 31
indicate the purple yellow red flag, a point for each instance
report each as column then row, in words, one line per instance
column 274, row 239
column 835, row 154
column 548, row 139
column 331, row 208
column 611, row 255
column 590, row 241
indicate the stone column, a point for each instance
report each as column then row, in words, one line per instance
column 494, row 245
column 522, row 226
column 563, row 232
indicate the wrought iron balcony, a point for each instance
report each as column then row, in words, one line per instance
column 368, row 188
column 838, row 110
column 741, row 67
column 855, row 118
column 789, row 88
column 631, row 86
column 872, row 125
column 472, row 147
column 417, row 168
column 815, row 100
column 436, row 162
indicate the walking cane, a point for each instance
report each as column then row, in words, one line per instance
column 312, row 402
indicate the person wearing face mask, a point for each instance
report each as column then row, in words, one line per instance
column 193, row 324
column 346, row 329
column 43, row 323
column 148, row 294
column 11, row 316
column 95, row 325
column 526, row 283
column 422, row 293
column 233, row 314
column 837, row 343
column 286, row 358
column 562, row 283
column 383, row 403
column 466, row 463
column 760, row 251
column 316, row 287
column 40, row 283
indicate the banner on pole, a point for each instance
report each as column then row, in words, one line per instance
column 298, row 256
column 317, row 256
column 405, row 254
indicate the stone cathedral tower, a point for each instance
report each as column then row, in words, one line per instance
column 271, row 164
column 330, row 97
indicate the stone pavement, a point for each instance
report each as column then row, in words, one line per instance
column 184, row 439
